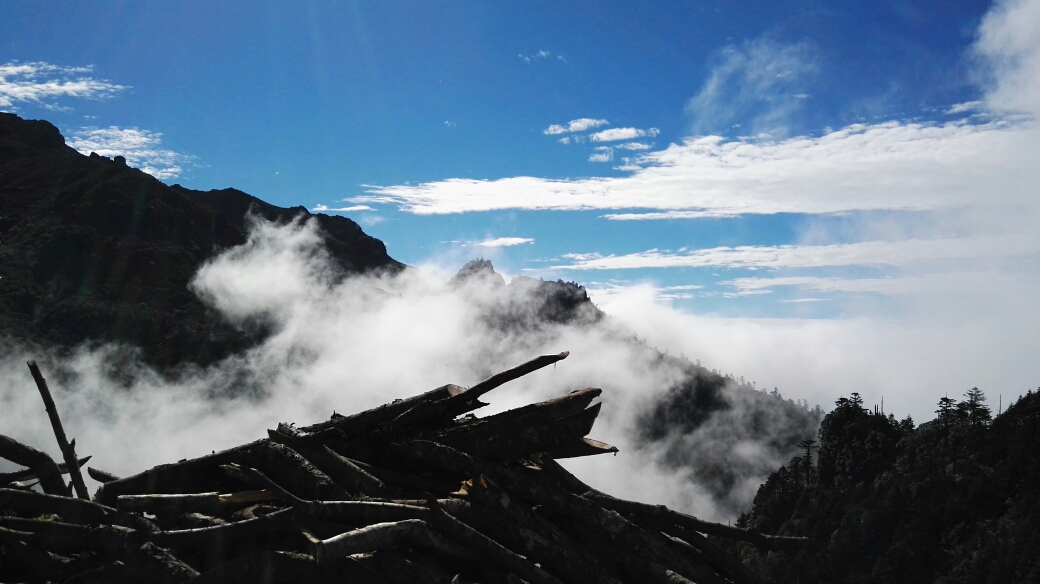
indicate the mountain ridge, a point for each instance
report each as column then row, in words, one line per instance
column 94, row 250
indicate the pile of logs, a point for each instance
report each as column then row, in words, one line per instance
column 417, row 490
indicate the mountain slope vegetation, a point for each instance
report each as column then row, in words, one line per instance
column 955, row 500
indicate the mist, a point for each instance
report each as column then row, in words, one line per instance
column 688, row 438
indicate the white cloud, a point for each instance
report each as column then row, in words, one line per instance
column 868, row 253
column 760, row 84
column 633, row 146
column 41, row 83
column 961, row 108
column 915, row 284
column 664, row 215
column 503, row 242
column 324, row 209
column 1009, row 43
column 602, row 154
column 139, row 147
column 614, row 134
column 886, row 166
column 450, row 124
column 578, row 125
column 539, row 56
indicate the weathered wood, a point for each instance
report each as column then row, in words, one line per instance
column 68, row 449
column 166, row 504
column 366, row 421
column 363, row 512
column 339, row 468
column 30, row 474
column 524, row 441
column 69, row 509
column 485, row 546
column 521, row 418
column 284, row 567
column 717, row 558
column 100, row 475
column 558, row 500
column 220, row 534
column 467, row 400
column 142, row 558
column 560, row 474
column 40, row 465
column 583, row 447
column 193, row 502
column 540, row 539
column 662, row 513
column 25, row 563
column 196, row 475
column 378, row 536
column 294, row 472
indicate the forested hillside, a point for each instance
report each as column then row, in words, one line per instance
column 955, row 500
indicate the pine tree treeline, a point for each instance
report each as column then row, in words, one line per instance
column 956, row 500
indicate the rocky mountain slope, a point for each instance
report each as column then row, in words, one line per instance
column 92, row 249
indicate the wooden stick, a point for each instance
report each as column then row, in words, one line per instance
column 99, row 475
column 70, row 509
column 386, row 535
column 40, row 465
column 30, row 474
column 68, row 449
column 460, row 402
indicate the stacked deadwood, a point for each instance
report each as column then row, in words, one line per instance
column 417, row 490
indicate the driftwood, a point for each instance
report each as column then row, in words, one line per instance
column 100, row 475
column 40, row 465
column 406, row 492
column 68, row 449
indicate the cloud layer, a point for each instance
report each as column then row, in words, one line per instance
column 41, row 84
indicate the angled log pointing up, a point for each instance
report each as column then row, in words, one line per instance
column 40, row 465
column 68, row 449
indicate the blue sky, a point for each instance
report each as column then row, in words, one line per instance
column 870, row 163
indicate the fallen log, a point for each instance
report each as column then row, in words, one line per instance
column 68, row 449
column 74, row 510
column 197, row 475
column 386, row 535
column 190, row 503
column 40, row 465
column 542, row 541
column 666, row 515
column 339, row 468
column 557, row 500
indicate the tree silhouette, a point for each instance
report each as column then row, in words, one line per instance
column 974, row 408
column 947, row 410
column 808, row 446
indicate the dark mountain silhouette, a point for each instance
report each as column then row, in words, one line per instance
column 956, row 500
column 95, row 250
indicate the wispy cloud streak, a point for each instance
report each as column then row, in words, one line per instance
column 141, row 149
column 41, row 83
column 869, row 253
